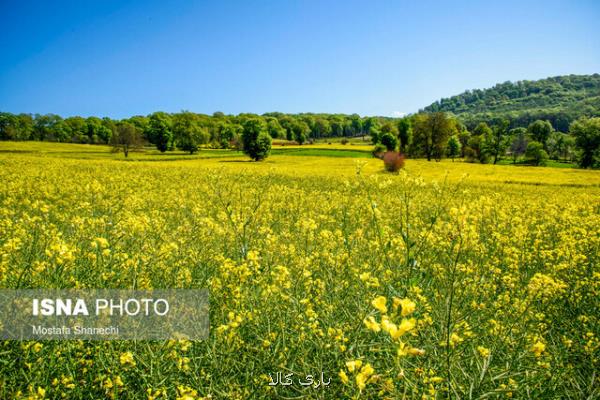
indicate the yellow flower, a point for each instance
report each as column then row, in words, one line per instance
column 372, row 324
column 343, row 376
column 483, row 352
column 361, row 381
column 127, row 359
column 405, row 350
column 367, row 370
column 405, row 326
column 379, row 303
column 186, row 393
column 407, row 306
column 538, row 348
column 413, row 351
column 363, row 376
column 353, row 365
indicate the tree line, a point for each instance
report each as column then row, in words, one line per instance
column 182, row 130
column 439, row 135
column 433, row 135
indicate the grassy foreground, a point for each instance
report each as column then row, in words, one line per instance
column 449, row 279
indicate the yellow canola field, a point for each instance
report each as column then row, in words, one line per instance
column 446, row 279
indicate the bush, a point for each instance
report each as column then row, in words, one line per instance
column 344, row 141
column 393, row 161
column 536, row 154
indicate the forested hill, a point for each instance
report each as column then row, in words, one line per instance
column 560, row 99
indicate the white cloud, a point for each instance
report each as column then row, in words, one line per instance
column 398, row 114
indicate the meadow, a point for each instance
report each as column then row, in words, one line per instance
column 448, row 279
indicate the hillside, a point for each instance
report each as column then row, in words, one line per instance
column 560, row 99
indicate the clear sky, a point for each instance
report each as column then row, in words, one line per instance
column 120, row 58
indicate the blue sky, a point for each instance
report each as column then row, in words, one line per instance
column 121, row 58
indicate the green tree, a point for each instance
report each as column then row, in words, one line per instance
column 499, row 142
column 405, row 134
column 463, row 137
column 97, row 131
column 536, row 154
column 518, row 142
column 337, row 126
column 229, row 134
column 160, row 132
column 300, row 130
column 389, row 141
column 274, row 128
column 78, row 129
column 375, row 134
column 126, row 138
column 321, row 128
column 559, row 145
column 369, row 125
column 357, row 124
column 540, row 131
column 587, row 139
column 454, row 147
column 431, row 133
column 255, row 139
column 44, row 126
column 187, row 132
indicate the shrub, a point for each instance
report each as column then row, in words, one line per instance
column 393, row 161
column 344, row 141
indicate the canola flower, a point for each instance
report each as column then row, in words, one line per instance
column 403, row 286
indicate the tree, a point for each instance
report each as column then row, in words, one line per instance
column 300, row 130
column 559, row 145
column 518, row 143
column 187, row 132
column 321, row 128
column 229, row 134
column 389, row 141
column 405, row 134
column 44, row 126
column 160, row 132
column 357, row 124
column 540, row 131
column 454, row 147
column 498, row 143
column 587, row 139
column 375, row 135
column 337, row 126
column 463, row 138
column 256, row 140
column 126, row 138
column 78, row 129
column 536, row 154
column 369, row 125
column 274, row 128
column 477, row 149
column 97, row 131
column 431, row 133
